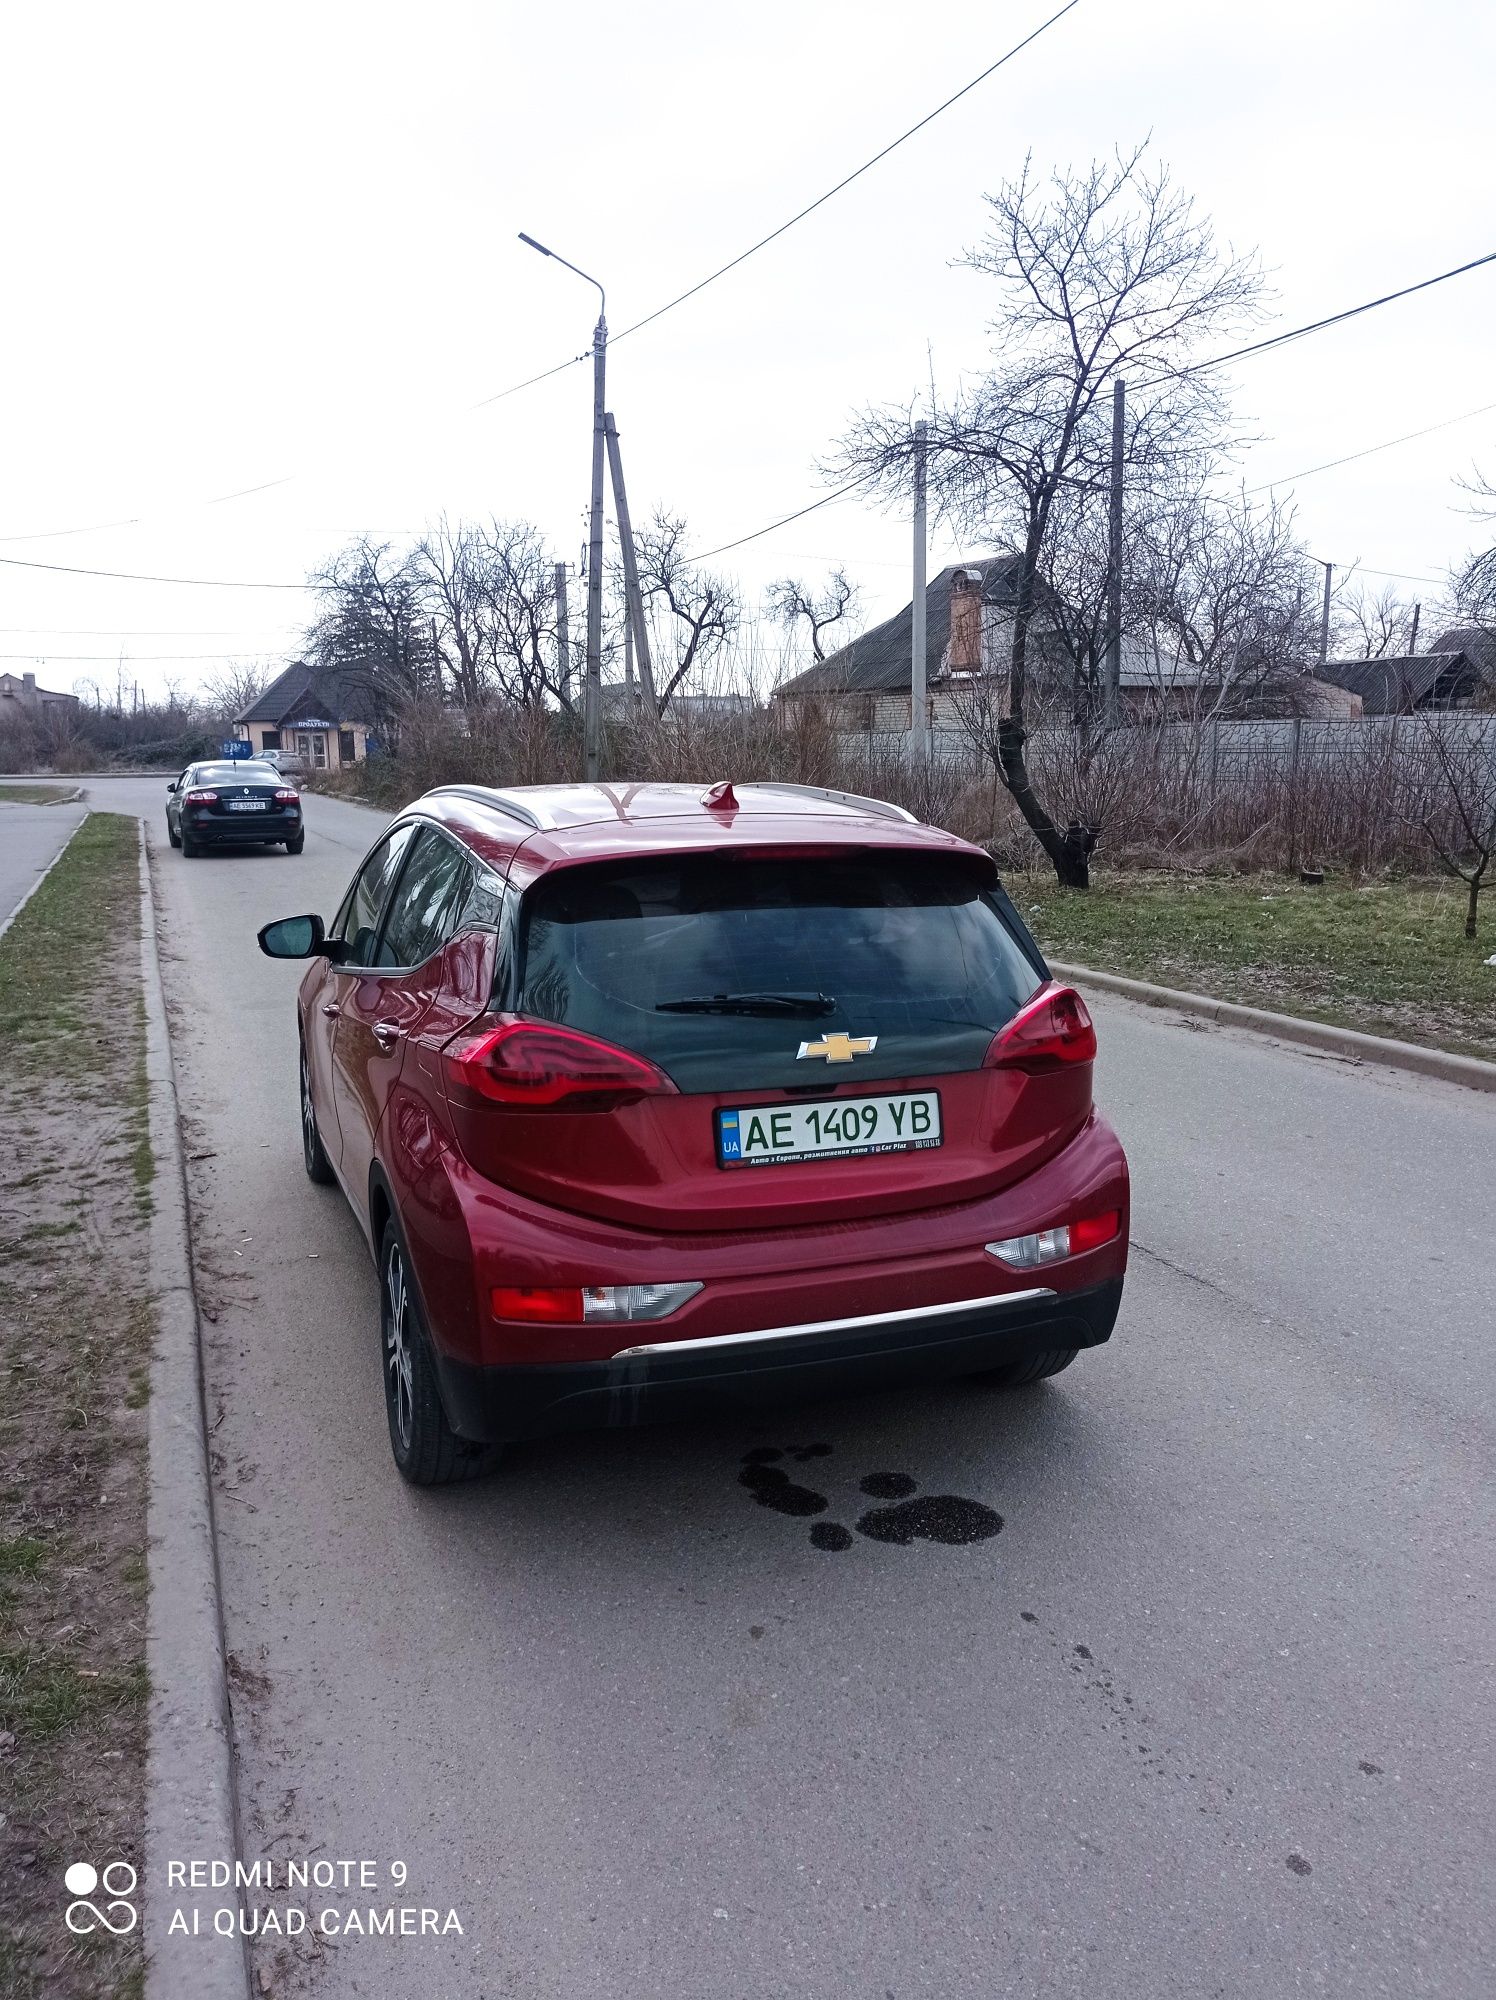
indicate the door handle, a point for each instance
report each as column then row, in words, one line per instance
column 386, row 1033
column 332, row 1010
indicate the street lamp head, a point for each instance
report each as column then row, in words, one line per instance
column 535, row 246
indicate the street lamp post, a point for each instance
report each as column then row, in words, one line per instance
column 592, row 691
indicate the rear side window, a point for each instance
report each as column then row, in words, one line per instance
column 909, row 949
column 428, row 901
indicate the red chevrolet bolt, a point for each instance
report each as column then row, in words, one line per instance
column 645, row 1094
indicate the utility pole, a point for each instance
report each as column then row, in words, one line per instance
column 1324, row 618
column 563, row 638
column 633, row 596
column 1413, row 637
column 1112, row 693
column 592, row 699
column 919, row 727
column 629, row 694
column 592, row 693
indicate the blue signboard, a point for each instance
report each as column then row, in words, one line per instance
column 235, row 746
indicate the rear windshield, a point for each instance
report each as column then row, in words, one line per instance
column 242, row 773
column 906, row 948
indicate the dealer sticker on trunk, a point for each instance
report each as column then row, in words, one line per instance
column 766, row 1135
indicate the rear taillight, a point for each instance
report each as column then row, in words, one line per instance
column 1053, row 1031
column 588, row 1305
column 535, row 1066
column 202, row 799
column 285, row 796
column 1047, row 1246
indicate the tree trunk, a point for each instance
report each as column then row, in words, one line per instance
column 1071, row 850
column 1473, row 906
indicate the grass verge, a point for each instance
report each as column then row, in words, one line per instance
column 34, row 795
column 75, row 1340
column 1387, row 957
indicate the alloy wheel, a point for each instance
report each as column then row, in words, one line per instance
column 398, row 1336
column 308, row 1115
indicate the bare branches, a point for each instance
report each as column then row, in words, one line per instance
column 701, row 609
column 1458, row 808
column 1104, row 274
column 789, row 603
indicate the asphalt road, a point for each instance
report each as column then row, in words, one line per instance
column 31, row 837
column 1210, row 1716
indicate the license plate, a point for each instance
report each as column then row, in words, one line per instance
column 769, row 1135
column 247, row 806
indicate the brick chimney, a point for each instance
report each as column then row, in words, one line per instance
column 966, row 622
column 28, row 687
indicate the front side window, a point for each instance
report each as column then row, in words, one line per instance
column 428, row 902
column 912, row 950
column 357, row 924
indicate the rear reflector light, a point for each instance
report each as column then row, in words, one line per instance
column 1053, row 1031
column 535, row 1066
column 287, row 796
column 585, row 1305
column 202, row 798
column 1047, row 1246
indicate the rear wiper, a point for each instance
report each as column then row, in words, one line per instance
column 812, row 1005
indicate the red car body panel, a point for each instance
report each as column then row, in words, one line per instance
column 490, row 1195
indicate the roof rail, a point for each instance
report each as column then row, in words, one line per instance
column 504, row 802
column 880, row 808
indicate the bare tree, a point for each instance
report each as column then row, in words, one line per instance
column 234, row 688
column 1458, row 810
column 696, row 612
column 451, row 569
column 1222, row 590
column 1373, row 625
column 790, row 604
column 1103, row 275
column 519, row 608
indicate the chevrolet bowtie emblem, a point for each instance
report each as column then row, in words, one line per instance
column 838, row 1047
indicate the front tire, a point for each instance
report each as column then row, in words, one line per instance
column 428, row 1452
column 313, row 1153
column 1036, row 1368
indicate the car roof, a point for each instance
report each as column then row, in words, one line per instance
column 528, row 830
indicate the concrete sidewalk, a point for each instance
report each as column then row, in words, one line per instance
column 31, row 838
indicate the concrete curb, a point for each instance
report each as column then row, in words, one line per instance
column 1345, row 1042
column 6, row 923
column 191, row 1794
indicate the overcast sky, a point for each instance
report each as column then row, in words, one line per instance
column 277, row 243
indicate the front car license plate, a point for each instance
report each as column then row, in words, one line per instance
column 247, row 806
column 771, row 1135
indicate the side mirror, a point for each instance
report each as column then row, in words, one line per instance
column 172, row 786
column 298, row 937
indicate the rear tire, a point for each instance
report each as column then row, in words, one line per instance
column 1036, row 1368
column 428, row 1452
column 295, row 846
column 313, row 1153
column 175, row 839
column 190, row 848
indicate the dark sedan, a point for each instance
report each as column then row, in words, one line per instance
column 226, row 804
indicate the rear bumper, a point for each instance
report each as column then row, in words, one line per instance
column 244, row 830
column 507, row 1402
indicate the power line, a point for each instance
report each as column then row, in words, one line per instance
column 809, row 209
column 1386, row 445
column 856, row 174
column 1318, row 325
column 44, row 659
column 758, row 533
column 133, row 577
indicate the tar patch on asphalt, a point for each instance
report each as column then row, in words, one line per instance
column 912, row 1517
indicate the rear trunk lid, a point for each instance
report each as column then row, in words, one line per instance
column 827, row 1062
